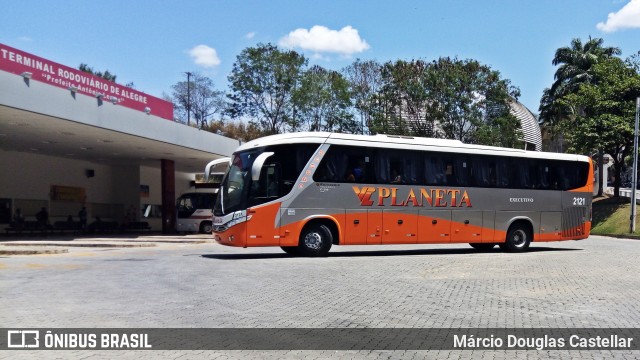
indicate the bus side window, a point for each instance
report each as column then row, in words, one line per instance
column 449, row 180
column 502, row 172
column 544, row 175
column 458, row 170
column 434, row 170
column 333, row 166
column 357, row 169
column 483, row 171
column 272, row 185
column 521, row 176
column 398, row 167
column 396, row 177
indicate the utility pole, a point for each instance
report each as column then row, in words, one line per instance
column 634, row 183
column 188, row 98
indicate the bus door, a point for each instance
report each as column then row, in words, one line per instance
column 399, row 226
column 434, row 226
column 466, row 226
column 261, row 227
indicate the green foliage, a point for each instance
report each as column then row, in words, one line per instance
column 105, row 75
column 562, row 108
column 262, row 82
column 457, row 99
column 322, row 102
column 606, row 112
column 574, row 68
column 575, row 63
column 450, row 98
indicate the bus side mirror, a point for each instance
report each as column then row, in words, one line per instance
column 211, row 168
column 257, row 165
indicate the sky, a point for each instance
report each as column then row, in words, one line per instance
column 153, row 43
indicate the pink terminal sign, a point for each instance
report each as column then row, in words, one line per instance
column 19, row 62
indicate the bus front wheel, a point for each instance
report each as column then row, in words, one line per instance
column 315, row 240
column 518, row 238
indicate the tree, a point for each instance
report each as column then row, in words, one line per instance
column 404, row 105
column 575, row 64
column 262, row 81
column 605, row 119
column 202, row 97
column 475, row 103
column 105, row 75
column 323, row 102
column 365, row 80
column 450, row 98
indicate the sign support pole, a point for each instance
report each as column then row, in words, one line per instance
column 634, row 183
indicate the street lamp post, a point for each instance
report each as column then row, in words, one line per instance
column 188, row 98
column 634, row 183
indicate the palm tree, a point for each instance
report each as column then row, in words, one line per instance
column 575, row 62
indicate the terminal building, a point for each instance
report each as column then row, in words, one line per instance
column 69, row 140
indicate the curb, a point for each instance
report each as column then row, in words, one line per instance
column 70, row 244
column 156, row 241
column 33, row 251
column 619, row 236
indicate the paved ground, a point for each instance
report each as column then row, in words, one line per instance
column 590, row 283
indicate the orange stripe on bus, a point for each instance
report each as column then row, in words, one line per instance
column 260, row 230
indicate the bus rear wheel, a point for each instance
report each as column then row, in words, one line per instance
column 482, row 246
column 518, row 238
column 315, row 240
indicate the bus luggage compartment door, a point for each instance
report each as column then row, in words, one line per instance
column 466, row 226
column 356, row 230
column 550, row 226
column 399, row 226
column 434, row 226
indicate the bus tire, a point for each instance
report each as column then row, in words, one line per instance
column 206, row 227
column 315, row 240
column 291, row 250
column 518, row 238
column 482, row 246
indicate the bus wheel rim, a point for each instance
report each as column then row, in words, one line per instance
column 519, row 238
column 313, row 241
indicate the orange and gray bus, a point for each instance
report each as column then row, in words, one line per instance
column 306, row 192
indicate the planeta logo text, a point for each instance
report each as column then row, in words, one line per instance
column 423, row 197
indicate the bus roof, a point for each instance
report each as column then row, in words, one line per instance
column 402, row 142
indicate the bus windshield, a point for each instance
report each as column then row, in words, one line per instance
column 277, row 176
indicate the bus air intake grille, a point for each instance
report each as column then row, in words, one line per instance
column 220, row 228
column 573, row 221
